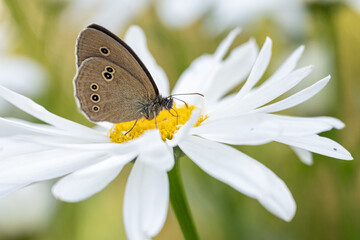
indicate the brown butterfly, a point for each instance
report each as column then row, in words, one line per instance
column 112, row 83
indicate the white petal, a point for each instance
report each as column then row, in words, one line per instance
column 155, row 152
column 73, row 188
column 70, row 144
column 149, row 143
column 136, row 39
column 146, row 201
column 15, row 126
column 225, row 44
column 43, row 165
column 10, row 146
column 221, row 104
column 242, row 173
column 184, row 131
column 299, row 126
column 334, row 122
column 287, row 67
column 317, row 144
column 113, row 162
column 254, row 129
column 104, row 126
column 195, row 78
column 90, row 180
column 244, row 130
column 295, row 99
column 10, row 130
column 199, row 76
column 50, row 130
column 233, row 71
column 34, row 109
column 263, row 95
column 6, row 189
column 304, row 155
column 258, row 69
column 79, row 185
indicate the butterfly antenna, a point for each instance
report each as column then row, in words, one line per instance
column 187, row 106
column 179, row 94
column 131, row 127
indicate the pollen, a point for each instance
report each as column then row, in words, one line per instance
column 167, row 122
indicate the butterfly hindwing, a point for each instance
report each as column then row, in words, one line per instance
column 108, row 92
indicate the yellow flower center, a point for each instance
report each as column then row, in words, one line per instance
column 167, row 123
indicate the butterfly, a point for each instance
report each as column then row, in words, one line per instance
column 112, row 84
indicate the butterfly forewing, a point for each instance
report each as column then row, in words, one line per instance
column 108, row 92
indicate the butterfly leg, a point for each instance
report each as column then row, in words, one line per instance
column 177, row 115
column 131, row 127
column 155, row 119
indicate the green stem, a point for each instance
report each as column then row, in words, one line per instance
column 178, row 200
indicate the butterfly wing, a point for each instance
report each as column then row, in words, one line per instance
column 108, row 92
column 96, row 41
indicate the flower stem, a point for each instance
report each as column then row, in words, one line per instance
column 178, row 200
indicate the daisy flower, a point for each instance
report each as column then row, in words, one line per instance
column 88, row 159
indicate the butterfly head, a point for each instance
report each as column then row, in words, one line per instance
column 167, row 102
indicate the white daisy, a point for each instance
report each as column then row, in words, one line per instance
column 92, row 158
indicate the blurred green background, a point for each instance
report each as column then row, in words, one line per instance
column 327, row 193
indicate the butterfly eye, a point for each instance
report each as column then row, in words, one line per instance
column 107, row 76
column 109, row 69
column 94, row 87
column 95, row 97
column 96, row 108
column 104, row 51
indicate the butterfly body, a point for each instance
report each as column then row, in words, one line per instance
column 112, row 84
